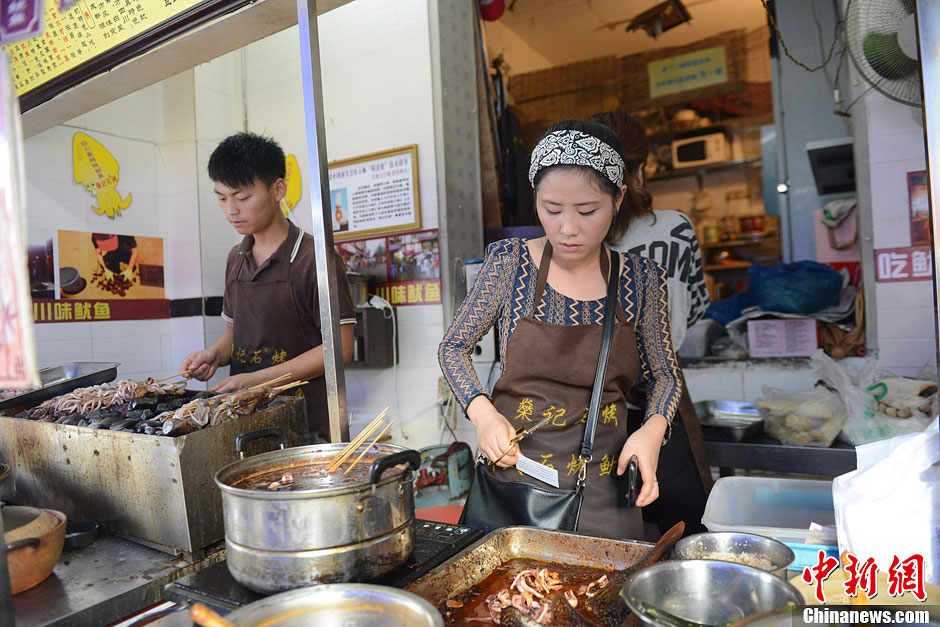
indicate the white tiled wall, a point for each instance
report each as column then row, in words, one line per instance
column 905, row 314
column 131, row 129
column 376, row 73
column 377, row 92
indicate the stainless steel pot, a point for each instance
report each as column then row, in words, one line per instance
column 349, row 530
column 340, row 604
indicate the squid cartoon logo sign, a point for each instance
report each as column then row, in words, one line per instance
column 96, row 169
column 294, row 187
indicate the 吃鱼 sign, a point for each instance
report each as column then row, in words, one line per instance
column 913, row 263
column 685, row 72
column 375, row 194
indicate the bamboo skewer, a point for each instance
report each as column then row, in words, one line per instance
column 172, row 376
column 355, row 444
column 352, row 446
column 346, row 452
column 274, row 380
column 371, row 444
column 295, row 384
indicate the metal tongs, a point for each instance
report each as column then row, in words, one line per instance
column 521, row 433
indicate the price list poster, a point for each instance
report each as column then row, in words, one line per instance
column 77, row 35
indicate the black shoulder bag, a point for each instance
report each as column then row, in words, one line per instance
column 492, row 503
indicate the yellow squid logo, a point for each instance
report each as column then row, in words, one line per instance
column 292, row 178
column 96, row 169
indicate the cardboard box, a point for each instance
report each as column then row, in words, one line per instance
column 788, row 337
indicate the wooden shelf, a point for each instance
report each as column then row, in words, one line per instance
column 734, row 164
column 766, row 238
column 737, row 265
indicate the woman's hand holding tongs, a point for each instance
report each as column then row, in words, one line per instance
column 495, row 436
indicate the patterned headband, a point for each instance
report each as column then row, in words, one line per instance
column 570, row 147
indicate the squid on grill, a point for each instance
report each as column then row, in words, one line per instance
column 213, row 411
column 85, row 400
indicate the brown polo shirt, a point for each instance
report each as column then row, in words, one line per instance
column 306, row 294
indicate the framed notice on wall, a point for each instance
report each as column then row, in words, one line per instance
column 375, row 194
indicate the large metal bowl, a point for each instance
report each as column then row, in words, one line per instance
column 339, row 604
column 725, row 546
column 705, row 591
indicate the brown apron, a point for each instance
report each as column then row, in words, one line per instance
column 269, row 330
column 550, row 372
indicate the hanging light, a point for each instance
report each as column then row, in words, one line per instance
column 660, row 18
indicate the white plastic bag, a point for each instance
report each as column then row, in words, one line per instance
column 812, row 418
column 865, row 422
column 891, row 508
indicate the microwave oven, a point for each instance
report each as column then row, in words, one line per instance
column 690, row 152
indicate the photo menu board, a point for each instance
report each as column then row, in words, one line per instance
column 94, row 36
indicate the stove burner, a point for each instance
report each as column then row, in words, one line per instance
column 434, row 543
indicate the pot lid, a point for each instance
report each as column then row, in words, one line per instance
column 340, row 604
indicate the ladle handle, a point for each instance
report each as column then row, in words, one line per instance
column 666, row 543
column 379, row 466
column 202, row 615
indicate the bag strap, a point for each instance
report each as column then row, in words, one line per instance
column 600, row 375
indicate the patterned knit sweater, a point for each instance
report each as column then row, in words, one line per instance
column 504, row 292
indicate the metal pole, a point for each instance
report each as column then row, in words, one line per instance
column 928, row 42
column 322, row 220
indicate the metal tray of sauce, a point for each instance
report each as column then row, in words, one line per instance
column 62, row 379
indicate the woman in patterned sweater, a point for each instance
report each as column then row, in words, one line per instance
column 546, row 297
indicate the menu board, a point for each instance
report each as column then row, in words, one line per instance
column 88, row 29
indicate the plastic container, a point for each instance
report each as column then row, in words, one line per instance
column 782, row 509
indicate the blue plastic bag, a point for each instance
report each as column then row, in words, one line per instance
column 803, row 287
column 724, row 311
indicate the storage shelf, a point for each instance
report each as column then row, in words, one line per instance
column 734, row 164
column 737, row 265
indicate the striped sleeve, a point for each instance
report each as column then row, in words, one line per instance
column 654, row 339
column 478, row 312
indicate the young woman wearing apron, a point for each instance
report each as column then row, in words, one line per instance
column 546, row 298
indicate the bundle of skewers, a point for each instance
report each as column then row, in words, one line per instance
column 287, row 480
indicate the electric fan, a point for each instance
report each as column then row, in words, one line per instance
column 882, row 39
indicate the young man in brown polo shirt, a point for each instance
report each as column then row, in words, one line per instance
column 270, row 301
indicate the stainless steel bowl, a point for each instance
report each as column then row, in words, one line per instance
column 704, row 591
column 725, row 545
column 339, row 604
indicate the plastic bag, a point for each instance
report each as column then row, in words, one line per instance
column 803, row 287
column 890, row 508
column 811, row 418
column 866, row 422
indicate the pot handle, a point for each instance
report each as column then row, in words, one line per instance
column 22, row 544
column 379, row 466
column 271, row 432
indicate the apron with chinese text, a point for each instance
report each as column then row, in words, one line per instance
column 550, row 372
column 270, row 329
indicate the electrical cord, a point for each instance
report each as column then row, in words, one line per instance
column 832, row 49
column 380, row 303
